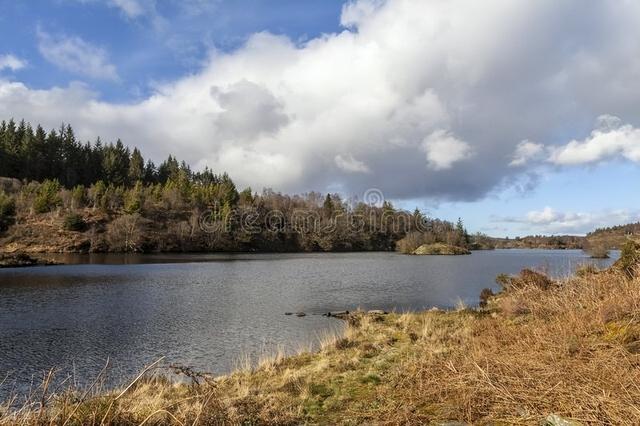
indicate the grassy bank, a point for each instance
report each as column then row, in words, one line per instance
column 540, row 348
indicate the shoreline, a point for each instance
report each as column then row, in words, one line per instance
column 522, row 358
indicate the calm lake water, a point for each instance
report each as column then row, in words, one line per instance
column 206, row 311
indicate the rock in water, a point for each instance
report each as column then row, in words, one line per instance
column 301, row 314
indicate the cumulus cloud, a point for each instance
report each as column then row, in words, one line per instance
column 551, row 221
column 11, row 62
column 75, row 55
column 443, row 150
column 247, row 111
column 609, row 140
column 525, row 152
column 432, row 97
column 350, row 164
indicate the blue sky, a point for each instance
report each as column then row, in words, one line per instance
column 173, row 40
column 521, row 119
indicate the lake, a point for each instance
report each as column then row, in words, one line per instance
column 206, row 311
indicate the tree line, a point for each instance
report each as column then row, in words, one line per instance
column 37, row 155
column 108, row 198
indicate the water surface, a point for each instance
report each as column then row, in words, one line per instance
column 205, row 311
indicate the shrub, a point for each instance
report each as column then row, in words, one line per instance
column 125, row 234
column 527, row 278
column 77, row 197
column 412, row 241
column 133, row 199
column 629, row 258
column 74, row 222
column 7, row 211
column 96, row 194
column 598, row 251
column 485, row 295
column 47, row 197
column 587, row 269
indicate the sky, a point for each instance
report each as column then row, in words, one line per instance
column 520, row 116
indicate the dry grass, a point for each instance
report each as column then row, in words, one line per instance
column 569, row 348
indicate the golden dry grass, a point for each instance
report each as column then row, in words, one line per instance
column 569, row 348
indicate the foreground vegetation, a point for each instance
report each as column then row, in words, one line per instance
column 540, row 351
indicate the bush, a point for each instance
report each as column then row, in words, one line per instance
column 126, row 233
column 527, row 278
column 412, row 241
column 78, row 197
column 47, row 197
column 598, row 251
column 133, row 199
column 587, row 269
column 629, row 258
column 7, row 211
column 74, row 222
column 485, row 295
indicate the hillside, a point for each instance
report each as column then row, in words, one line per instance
column 187, row 214
column 613, row 237
column 540, row 242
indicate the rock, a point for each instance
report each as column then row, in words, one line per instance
column 301, row 314
column 288, row 313
column 377, row 312
column 10, row 185
column 338, row 314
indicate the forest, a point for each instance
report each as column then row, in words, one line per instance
column 58, row 194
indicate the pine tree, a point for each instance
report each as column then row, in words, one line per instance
column 115, row 164
column 136, row 167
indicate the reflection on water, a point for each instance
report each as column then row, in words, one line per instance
column 206, row 310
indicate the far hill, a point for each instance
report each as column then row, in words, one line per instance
column 613, row 237
column 541, row 242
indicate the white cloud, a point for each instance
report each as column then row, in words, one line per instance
column 544, row 216
column 131, row 8
column 139, row 9
column 443, row 150
column 525, row 152
column 350, row 164
column 551, row 221
column 411, row 88
column 11, row 62
column 356, row 12
column 76, row 55
column 609, row 140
